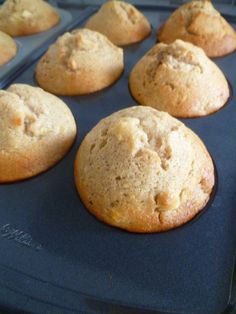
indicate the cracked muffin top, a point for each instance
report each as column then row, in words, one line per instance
column 121, row 22
column 80, row 62
column 179, row 78
column 130, row 173
column 8, row 48
column 201, row 24
column 27, row 17
column 37, row 129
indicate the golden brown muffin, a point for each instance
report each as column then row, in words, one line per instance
column 37, row 129
column 121, row 22
column 80, row 62
column 130, row 172
column 27, row 17
column 8, row 48
column 179, row 78
column 201, row 24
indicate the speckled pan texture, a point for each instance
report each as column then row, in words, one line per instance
column 186, row 270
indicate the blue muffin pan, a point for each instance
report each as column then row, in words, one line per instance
column 57, row 258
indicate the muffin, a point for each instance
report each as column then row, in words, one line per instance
column 130, row 172
column 27, row 17
column 201, row 24
column 37, row 129
column 8, row 48
column 179, row 78
column 78, row 63
column 121, row 22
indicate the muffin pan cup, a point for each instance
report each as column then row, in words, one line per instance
column 53, row 252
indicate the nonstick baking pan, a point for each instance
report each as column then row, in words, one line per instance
column 53, row 251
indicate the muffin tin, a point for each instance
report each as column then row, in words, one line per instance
column 54, row 253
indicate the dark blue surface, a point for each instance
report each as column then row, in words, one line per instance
column 52, row 249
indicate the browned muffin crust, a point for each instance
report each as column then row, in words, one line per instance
column 27, row 17
column 80, row 62
column 201, row 24
column 130, row 172
column 120, row 22
column 37, row 129
column 180, row 79
column 8, row 48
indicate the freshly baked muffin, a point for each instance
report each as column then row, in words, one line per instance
column 80, row 62
column 201, row 24
column 130, row 172
column 37, row 129
column 121, row 22
column 27, row 17
column 180, row 79
column 8, row 48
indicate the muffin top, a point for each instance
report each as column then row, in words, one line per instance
column 130, row 171
column 26, row 17
column 8, row 48
column 201, row 24
column 79, row 62
column 36, row 130
column 179, row 78
column 121, row 22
